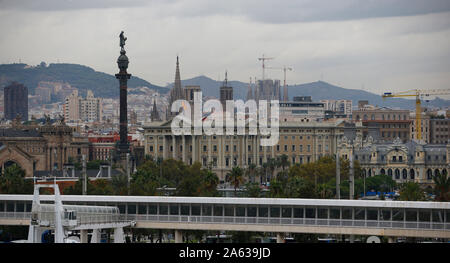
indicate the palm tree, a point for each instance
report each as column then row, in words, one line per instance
column 265, row 169
column 210, row 181
column 235, row 177
column 251, row 172
column 283, row 161
column 272, row 165
column 442, row 187
column 411, row 191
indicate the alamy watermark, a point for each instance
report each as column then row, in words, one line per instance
column 218, row 122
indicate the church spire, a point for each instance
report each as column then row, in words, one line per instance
column 176, row 93
column 154, row 115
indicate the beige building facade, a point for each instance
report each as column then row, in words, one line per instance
column 301, row 142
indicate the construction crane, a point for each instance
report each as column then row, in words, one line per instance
column 419, row 94
column 285, row 92
column 263, row 59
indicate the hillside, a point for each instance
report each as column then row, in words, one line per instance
column 79, row 76
column 317, row 90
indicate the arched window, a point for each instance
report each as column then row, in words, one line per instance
column 397, row 174
column 365, row 117
column 436, row 172
column 404, row 174
column 411, row 174
column 444, row 171
column 369, row 172
column 429, row 174
column 382, row 171
column 390, row 172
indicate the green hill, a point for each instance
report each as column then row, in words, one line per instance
column 79, row 76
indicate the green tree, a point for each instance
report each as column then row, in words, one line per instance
column 251, row 172
column 253, row 189
column 283, row 161
column 442, row 187
column 411, row 191
column 235, row 177
column 13, row 181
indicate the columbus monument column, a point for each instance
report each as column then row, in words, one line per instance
column 123, row 146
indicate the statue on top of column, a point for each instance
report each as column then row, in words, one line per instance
column 122, row 40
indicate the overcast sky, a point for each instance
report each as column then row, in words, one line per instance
column 377, row 45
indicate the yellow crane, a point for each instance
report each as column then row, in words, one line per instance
column 419, row 94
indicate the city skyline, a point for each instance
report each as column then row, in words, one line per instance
column 379, row 47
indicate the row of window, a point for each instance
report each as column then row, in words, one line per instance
column 288, row 212
column 387, row 214
column 249, row 148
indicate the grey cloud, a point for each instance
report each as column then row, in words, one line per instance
column 266, row 11
column 290, row 11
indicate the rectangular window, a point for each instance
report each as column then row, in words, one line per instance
column 437, row 216
column 251, row 211
column 372, row 214
column 240, row 211
column 322, row 213
column 274, row 212
column 360, row 214
column 298, row 212
column 229, row 210
column 385, row 215
column 218, row 210
column 206, row 210
column 163, row 209
column 397, row 215
column 184, row 210
column 346, row 213
column 152, row 209
column 335, row 213
column 142, row 209
column 411, row 215
column 131, row 209
column 20, row 207
column 195, row 210
column 263, row 211
column 174, row 210
column 310, row 213
column 286, row 212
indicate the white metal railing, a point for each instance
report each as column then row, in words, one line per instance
column 116, row 218
column 292, row 221
column 48, row 218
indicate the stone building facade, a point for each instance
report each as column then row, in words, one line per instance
column 411, row 161
column 43, row 148
column 301, row 142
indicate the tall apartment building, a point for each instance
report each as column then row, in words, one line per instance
column 76, row 108
column 44, row 94
column 16, row 101
column 90, row 108
column 71, row 107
